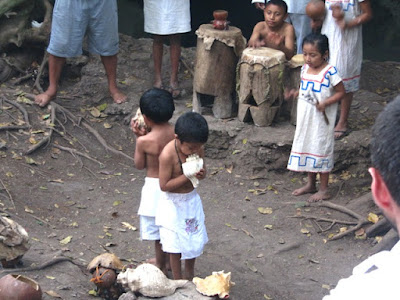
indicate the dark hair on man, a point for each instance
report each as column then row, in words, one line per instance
column 318, row 40
column 279, row 3
column 157, row 105
column 385, row 147
column 191, row 127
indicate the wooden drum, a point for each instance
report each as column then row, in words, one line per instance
column 260, row 85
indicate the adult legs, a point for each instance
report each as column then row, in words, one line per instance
column 189, row 268
column 175, row 54
column 55, row 67
column 110, row 65
column 302, row 27
column 158, row 49
column 341, row 126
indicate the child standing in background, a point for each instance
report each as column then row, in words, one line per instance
column 157, row 107
column 167, row 19
column 343, row 27
column 180, row 212
column 320, row 90
column 274, row 32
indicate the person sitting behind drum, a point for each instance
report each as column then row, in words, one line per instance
column 274, row 32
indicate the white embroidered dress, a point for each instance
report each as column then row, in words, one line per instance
column 312, row 149
column 345, row 46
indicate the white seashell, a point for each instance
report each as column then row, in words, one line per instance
column 191, row 167
column 219, row 283
column 140, row 120
column 149, row 280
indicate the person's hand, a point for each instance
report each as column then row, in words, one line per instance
column 320, row 106
column 290, row 94
column 137, row 130
column 275, row 39
column 201, row 174
column 259, row 5
column 255, row 43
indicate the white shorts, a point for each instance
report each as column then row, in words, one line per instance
column 148, row 229
column 72, row 19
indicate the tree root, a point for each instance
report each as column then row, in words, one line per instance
column 40, row 72
column 360, row 221
column 75, row 152
column 42, row 266
column 22, row 110
column 8, row 193
column 47, row 139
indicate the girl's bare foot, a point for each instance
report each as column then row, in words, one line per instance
column 320, row 195
column 308, row 188
column 118, row 97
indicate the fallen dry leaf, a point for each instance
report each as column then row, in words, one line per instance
column 129, row 226
column 265, row 210
column 66, row 240
column 52, row 294
column 373, row 218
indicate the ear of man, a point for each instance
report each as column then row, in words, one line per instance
column 381, row 193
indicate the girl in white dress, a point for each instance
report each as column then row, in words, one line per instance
column 320, row 90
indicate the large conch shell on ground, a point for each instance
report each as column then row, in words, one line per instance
column 149, row 280
column 191, row 167
column 219, row 283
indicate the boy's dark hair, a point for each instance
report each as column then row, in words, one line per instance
column 279, row 3
column 318, row 40
column 157, row 105
column 385, row 147
column 191, row 127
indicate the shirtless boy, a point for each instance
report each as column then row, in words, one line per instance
column 157, row 107
column 274, row 32
column 180, row 212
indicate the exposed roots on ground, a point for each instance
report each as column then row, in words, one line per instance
column 40, row 71
column 360, row 220
column 67, row 115
column 24, row 113
column 42, row 266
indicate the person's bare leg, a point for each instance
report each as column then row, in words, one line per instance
column 175, row 54
column 158, row 49
column 110, row 65
column 309, row 187
column 161, row 257
column 56, row 64
column 345, row 104
column 322, row 193
column 189, row 268
column 176, row 267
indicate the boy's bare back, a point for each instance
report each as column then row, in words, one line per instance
column 150, row 146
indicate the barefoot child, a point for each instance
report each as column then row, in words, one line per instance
column 320, row 90
column 180, row 212
column 157, row 107
column 274, row 32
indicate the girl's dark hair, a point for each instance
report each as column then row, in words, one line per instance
column 318, row 40
column 191, row 127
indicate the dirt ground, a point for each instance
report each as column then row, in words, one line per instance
column 75, row 206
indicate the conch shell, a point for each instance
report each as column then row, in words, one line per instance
column 219, row 283
column 149, row 280
column 140, row 120
column 190, row 168
column 105, row 260
column 14, row 240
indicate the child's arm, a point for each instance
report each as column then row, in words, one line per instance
column 202, row 173
column 287, row 46
column 255, row 39
column 364, row 17
column 339, row 94
column 167, row 182
column 140, row 154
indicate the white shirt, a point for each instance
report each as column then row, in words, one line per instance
column 294, row 6
column 375, row 278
